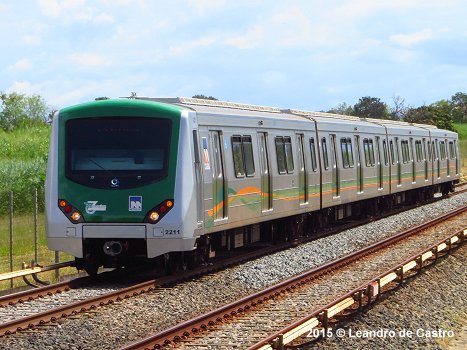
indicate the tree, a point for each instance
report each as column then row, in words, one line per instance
column 438, row 114
column 459, row 105
column 398, row 110
column 371, row 107
column 342, row 108
column 204, row 97
column 19, row 110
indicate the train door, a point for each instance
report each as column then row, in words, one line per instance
column 359, row 165
column 335, row 167
column 436, row 157
column 398, row 162
column 412, row 159
column 266, row 193
column 302, row 171
column 198, row 178
column 379, row 163
column 456, row 158
column 446, row 155
column 425, row 160
column 219, row 194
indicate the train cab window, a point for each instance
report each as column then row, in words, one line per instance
column 418, row 150
column 347, row 152
column 242, row 151
column 325, row 153
column 284, row 155
column 405, row 151
column 452, row 153
column 117, row 152
column 369, row 151
column 313, row 154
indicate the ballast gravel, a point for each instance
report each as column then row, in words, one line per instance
column 121, row 323
column 429, row 312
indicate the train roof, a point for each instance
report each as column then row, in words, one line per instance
column 233, row 108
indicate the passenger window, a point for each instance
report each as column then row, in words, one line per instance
column 393, row 158
column 385, row 152
column 313, row 154
column 451, row 150
column 442, row 148
column 237, row 156
column 418, row 150
column 280, row 154
column 288, row 154
column 325, row 153
column 405, row 151
column 347, row 153
column 284, row 155
column 242, row 151
column 248, row 156
column 369, row 152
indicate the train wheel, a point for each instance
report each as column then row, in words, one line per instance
column 91, row 268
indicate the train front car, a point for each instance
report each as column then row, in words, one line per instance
column 112, row 182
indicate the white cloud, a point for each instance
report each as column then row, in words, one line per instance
column 249, row 40
column 186, row 47
column 21, row 65
column 89, row 60
column 103, row 18
column 203, row 7
column 24, row 87
column 412, row 38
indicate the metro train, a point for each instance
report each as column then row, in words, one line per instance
column 178, row 180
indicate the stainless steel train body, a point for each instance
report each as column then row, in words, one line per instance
column 233, row 172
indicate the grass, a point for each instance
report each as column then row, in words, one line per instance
column 23, row 246
column 461, row 129
column 23, row 162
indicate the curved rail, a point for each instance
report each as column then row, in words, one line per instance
column 200, row 323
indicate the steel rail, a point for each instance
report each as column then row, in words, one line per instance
column 198, row 324
column 364, row 295
column 109, row 298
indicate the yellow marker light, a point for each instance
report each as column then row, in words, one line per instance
column 169, row 204
column 62, row 203
column 75, row 216
column 154, row 216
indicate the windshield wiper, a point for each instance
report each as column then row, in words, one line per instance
column 100, row 166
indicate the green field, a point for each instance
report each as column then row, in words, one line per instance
column 23, row 161
column 461, row 129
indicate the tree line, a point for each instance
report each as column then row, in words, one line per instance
column 443, row 113
column 21, row 110
column 17, row 110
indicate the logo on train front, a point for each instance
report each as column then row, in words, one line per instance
column 92, row 207
column 135, row 203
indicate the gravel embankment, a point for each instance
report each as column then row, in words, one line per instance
column 433, row 307
column 114, row 326
column 276, row 314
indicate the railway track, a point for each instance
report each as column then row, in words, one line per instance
column 274, row 316
column 53, row 313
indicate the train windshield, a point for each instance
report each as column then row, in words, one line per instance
column 117, row 152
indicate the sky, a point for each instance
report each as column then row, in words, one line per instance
column 301, row 54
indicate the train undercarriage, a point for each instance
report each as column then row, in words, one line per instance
column 127, row 252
